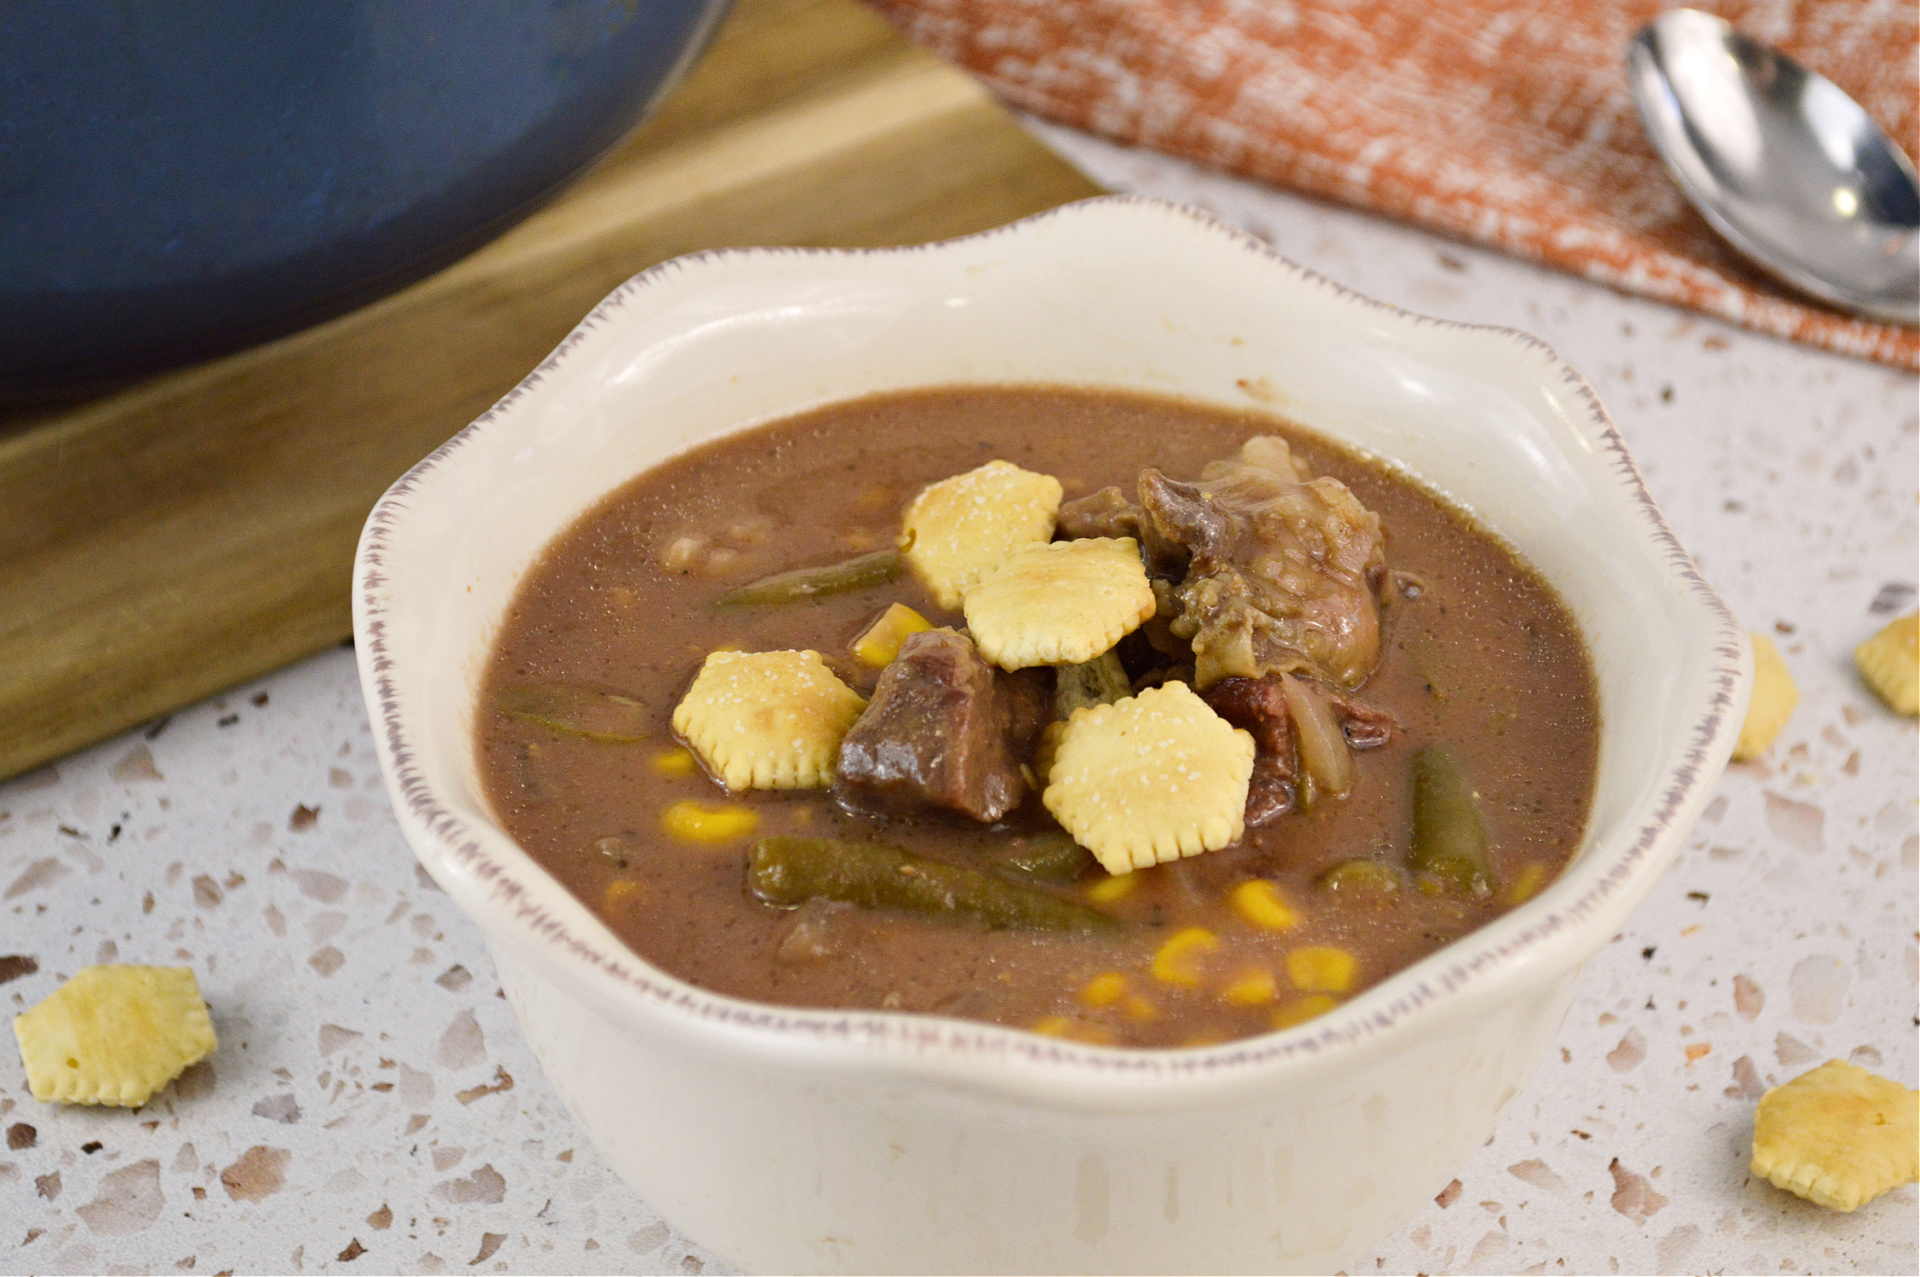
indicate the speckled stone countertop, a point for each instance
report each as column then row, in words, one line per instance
column 372, row 1106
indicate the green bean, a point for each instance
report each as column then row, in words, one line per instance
column 1049, row 857
column 1449, row 839
column 787, row 870
column 577, row 711
column 801, row 584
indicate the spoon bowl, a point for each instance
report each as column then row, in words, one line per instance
column 1782, row 163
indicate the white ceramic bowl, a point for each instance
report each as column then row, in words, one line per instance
column 796, row 1140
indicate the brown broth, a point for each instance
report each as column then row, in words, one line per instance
column 1486, row 660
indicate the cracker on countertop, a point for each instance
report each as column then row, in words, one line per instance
column 114, row 1035
column 1059, row 602
column 959, row 529
column 1838, row 1135
column 1890, row 663
column 1774, row 696
column 1150, row 779
column 767, row 720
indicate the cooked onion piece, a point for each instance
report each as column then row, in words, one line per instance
column 1317, row 734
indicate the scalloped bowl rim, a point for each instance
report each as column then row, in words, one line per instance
column 516, row 901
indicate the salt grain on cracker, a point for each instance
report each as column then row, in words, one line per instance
column 1059, row 603
column 1150, row 779
column 1890, row 662
column 767, row 720
column 1838, row 1136
column 114, row 1035
column 958, row 530
column 1774, row 696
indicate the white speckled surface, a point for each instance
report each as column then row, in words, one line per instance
column 372, row 1107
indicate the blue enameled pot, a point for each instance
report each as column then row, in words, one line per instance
column 180, row 178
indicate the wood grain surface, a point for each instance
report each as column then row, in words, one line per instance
column 197, row 529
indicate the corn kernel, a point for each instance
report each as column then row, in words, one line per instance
column 675, row 762
column 1178, row 961
column 1104, row 990
column 881, row 641
column 620, row 893
column 1139, row 1009
column 1112, row 890
column 1302, row 1009
column 1321, row 969
column 1250, row 989
column 1260, row 902
column 1525, row 885
column 698, row 823
column 1065, row 1026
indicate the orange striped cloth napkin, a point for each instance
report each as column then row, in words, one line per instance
column 1506, row 122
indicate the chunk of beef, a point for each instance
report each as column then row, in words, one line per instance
column 1259, row 705
column 1284, row 569
column 1271, row 791
column 939, row 732
column 1108, row 513
column 1365, row 726
column 1026, row 704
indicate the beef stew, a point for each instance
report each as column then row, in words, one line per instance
column 1415, row 710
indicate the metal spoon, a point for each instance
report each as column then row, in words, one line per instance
column 1783, row 164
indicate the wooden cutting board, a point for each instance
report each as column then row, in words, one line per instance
column 197, row 529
